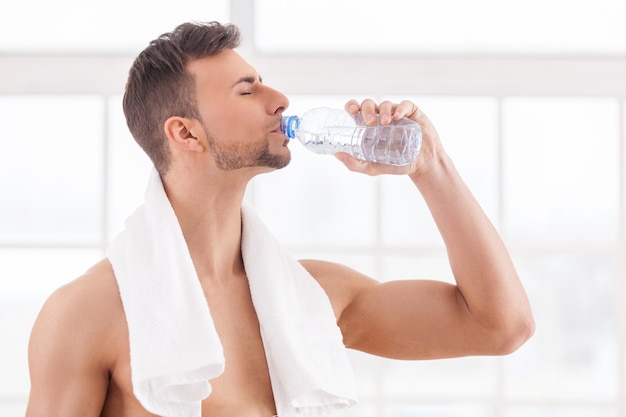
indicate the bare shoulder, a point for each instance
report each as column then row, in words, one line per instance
column 80, row 315
column 341, row 283
column 88, row 299
column 73, row 345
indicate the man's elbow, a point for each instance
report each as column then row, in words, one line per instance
column 511, row 337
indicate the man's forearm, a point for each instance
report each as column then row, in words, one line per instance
column 482, row 267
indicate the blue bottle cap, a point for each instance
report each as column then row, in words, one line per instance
column 289, row 125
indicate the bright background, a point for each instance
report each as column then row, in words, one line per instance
column 529, row 98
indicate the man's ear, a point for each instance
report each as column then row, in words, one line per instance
column 180, row 132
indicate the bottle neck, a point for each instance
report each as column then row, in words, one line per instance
column 289, row 125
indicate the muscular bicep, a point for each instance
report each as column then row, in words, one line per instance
column 412, row 319
column 66, row 366
column 406, row 319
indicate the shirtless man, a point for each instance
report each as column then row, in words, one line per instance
column 210, row 125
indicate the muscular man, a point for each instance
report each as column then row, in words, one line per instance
column 209, row 125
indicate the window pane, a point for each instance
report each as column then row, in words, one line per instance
column 563, row 411
column 561, row 170
column 51, row 169
column 114, row 25
column 13, row 407
column 129, row 168
column 459, row 377
column 445, row 26
column 38, row 272
column 366, row 369
column 574, row 354
column 465, row 409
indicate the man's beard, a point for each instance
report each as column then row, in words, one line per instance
column 238, row 155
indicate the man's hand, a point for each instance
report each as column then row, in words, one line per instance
column 388, row 112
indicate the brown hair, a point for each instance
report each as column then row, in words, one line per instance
column 159, row 86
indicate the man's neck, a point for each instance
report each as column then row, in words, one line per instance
column 209, row 215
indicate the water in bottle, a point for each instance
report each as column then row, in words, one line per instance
column 327, row 131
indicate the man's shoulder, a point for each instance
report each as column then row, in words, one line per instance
column 94, row 289
column 86, row 309
column 341, row 283
column 332, row 273
column 75, row 344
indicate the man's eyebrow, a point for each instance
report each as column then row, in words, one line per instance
column 248, row 80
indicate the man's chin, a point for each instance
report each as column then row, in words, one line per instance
column 273, row 162
column 276, row 161
column 280, row 164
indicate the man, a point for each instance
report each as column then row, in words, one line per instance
column 209, row 124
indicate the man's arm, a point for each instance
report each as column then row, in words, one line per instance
column 66, row 360
column 486, row 312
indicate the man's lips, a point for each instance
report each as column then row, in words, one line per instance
column 278, row 130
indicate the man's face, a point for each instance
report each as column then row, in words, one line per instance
column 240, row 115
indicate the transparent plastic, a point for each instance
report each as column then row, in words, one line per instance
column 327, row 131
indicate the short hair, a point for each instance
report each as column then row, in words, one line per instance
column 159, row 85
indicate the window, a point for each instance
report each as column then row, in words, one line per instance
column 555, row 27
column 115, row 26
column 528, row 97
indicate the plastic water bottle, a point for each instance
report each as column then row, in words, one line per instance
column 327, row 131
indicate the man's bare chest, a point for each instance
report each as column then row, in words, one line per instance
column 244, row 388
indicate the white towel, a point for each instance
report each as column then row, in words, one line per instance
column 174, row 347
